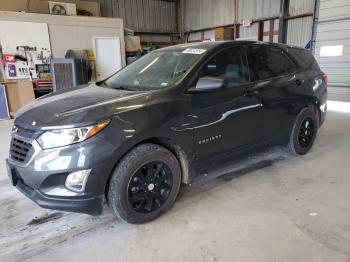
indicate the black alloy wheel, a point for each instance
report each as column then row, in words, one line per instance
column 144, row 184
column 150, row 187
column 306, row 132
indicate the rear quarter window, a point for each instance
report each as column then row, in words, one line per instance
column 304, row 58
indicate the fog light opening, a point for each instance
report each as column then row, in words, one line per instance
column 76, row 181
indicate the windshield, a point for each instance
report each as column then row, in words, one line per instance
column 155, row 70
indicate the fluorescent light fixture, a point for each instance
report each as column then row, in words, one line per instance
column 338, row 106
column 332, row 50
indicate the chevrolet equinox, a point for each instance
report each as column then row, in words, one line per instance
column 133, row 138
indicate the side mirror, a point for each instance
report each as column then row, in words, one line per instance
column 207, row 84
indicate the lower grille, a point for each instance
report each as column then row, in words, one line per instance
column 20, row 149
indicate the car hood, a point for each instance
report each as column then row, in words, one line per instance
column 83, row 105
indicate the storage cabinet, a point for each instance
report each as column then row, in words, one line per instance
column 19, row 93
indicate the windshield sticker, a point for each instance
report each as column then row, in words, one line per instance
column 194, row 51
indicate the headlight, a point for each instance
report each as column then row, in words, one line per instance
column 65, row 137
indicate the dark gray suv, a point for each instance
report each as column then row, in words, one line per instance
column 175, row 113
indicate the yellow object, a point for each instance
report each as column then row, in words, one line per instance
column 94, row 130
column 91, row 55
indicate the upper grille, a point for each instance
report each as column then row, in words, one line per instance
column 20, row 150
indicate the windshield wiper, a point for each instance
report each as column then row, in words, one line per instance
column 119, row 87
column 103, row 83
column 125, row 88
column 178, row 73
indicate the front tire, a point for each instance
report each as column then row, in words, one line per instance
column 304, row 132
column 144, row 184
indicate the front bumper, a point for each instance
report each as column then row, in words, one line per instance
column 42, row 179
column 90, row 205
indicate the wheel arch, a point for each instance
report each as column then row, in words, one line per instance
column 183, row 158
column 315, row 105
column 179, row 153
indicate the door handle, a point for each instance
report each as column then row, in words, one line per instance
column 299, row 82
column 251, row 93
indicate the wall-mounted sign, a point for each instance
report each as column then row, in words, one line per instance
column 9, row 58
column 246, row 22
column 16, row 71
column 331, row 50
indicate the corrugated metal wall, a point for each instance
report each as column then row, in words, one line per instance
column 333, row 30
column 300, row 31
column 249, row 33
column 257, row 9
column 143, row 15
column 200, row 14
column 297, row 7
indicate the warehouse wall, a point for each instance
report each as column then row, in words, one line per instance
column 258, row 9
column 298, row 7
column 300, row 29
column 143, row 15
column 201, row 14
column 73, row 32
column 333, row 30
column 249, row 33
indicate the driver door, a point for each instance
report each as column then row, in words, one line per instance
column 226, row 119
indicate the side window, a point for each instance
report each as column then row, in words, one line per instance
column 230, row 64
column 270, row 62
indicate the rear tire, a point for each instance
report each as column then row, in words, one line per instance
column 144, row 184
column 304, row 132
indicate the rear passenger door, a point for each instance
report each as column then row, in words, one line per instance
column 276, row 80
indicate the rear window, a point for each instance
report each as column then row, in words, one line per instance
column 304, row 58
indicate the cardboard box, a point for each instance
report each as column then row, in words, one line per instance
column 38, row 6
column 86, row 8
column 224, row 33
column 15, row 6
column 132, row 43
column 19, row 93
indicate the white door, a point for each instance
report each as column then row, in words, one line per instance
column 108, row 56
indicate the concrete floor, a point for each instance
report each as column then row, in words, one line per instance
column 291, row 209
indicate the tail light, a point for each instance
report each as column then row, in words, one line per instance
column 325, row 79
